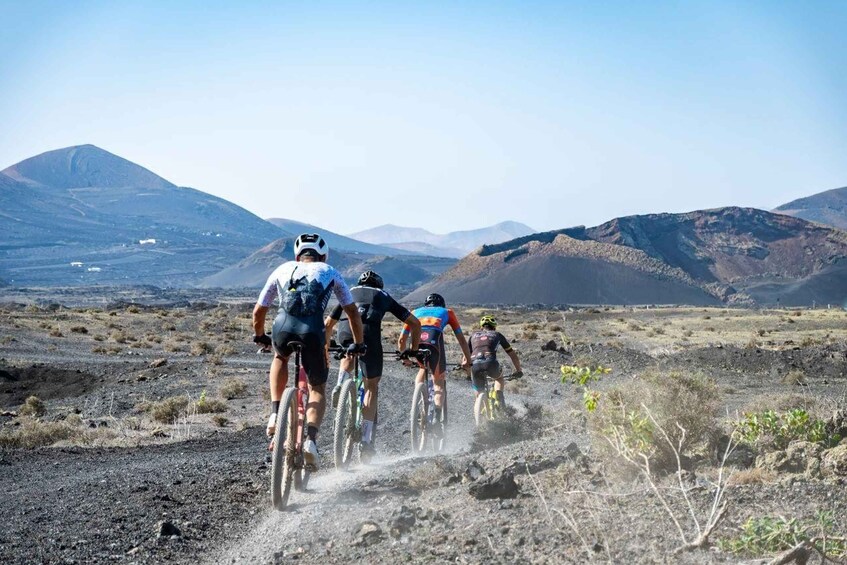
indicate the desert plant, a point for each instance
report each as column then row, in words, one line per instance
column 639, row 414
column 202, row 348
column 776, row 430
column 583, row 377
column 79, row 329
column 167, row 410
column 33, row 433
column 220, row 421
column 33, row 406
column 206, row 405
column 767, row 534
column 232, row 388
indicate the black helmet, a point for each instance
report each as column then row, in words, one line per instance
column 371, row 279
column 435, row 300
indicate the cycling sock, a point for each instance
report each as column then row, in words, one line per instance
column 312, row 432
column 500, row 398
column 342, row 376
column 367, row 431
column 274, row 406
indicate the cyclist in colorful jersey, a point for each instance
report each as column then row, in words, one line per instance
column 303, row 287
column 434, row 317
column 373, row 303
column 483, row 345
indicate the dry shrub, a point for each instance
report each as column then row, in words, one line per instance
column 232, row 388
column 636, row 412
column 99, row 337
column 167, row 410
column 210, row 405
column 754, row 476
column 33, row 433
column 795, row 377
column 226, row 350
column 202, row 348
column 779, row 403
column 56, row 332
column 79, row 330
column 133, row 310
column 172, row 347
column 220, row 421
column 33, row 406
column 119, row 337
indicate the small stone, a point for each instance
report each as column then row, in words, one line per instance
column 403, row 522
column 502, row 486
column 473, row 472
column 168, row 529
column 368, row 533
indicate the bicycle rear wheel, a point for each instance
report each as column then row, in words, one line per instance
column 480, row 408
column 285, row 441
column 345, row 425
column 418, row 417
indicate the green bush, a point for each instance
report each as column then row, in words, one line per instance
column 777, row 430
column 767, row 534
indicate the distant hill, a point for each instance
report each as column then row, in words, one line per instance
column 83, row 204
column 335, row 240
column 829, row 207
column 727, row 255
column 397, row 272
column 453, row 244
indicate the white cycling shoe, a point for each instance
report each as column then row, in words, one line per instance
column 310, row 454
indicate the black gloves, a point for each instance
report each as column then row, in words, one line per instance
column 264, row 340
column 357, row 349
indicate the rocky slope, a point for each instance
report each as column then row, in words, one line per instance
column 829, row 207
column 734, row 255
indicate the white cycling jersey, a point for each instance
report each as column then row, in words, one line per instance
column 325, row 275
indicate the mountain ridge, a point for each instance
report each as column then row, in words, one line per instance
column 828, row 207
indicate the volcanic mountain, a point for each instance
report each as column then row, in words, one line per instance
column 117, row 222
column 453, row 244
column 829, row 207
column 726, row 255
column 404, row 272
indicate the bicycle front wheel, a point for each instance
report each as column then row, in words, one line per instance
column 345, row 425
column 417, row 430
column 285, row 442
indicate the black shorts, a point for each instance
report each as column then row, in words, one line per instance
column 479, row 371
column 436, row 361
column 311, row 354
column 370, row 362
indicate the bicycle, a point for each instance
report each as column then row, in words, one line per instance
column 487, row 406
column 348, row 413
column 427, row 428
column 287, row 462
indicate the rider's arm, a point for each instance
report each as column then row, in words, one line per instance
column 345, row 299
column 259, row 314
column 329, row 325
column 414, row 324
column 355, row 322
column 460, row 337
column 266, row 298
column 507, row 347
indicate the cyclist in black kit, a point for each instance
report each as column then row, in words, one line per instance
column 372, row 303
column 483, row 344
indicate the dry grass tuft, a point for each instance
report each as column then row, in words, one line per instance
column 232, row 388
column 754, row 476
column 34, row 407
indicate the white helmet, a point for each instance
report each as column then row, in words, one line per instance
column 310, row 241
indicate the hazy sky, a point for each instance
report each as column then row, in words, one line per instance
column 444, row 116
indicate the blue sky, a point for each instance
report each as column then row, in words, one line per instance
column 444, row 116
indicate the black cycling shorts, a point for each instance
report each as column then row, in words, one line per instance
column 370, row 362
column 311, row 354
column 435, row 362
column 479, row 371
